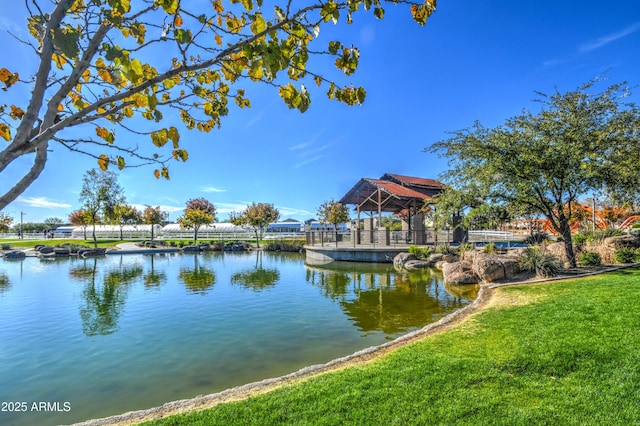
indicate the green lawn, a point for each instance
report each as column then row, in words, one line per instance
column 560, row 353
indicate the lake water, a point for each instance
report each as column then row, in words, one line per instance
column 89, row 338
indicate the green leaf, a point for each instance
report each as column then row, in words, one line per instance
column 182, row 36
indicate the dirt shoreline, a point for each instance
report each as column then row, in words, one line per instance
column 238, row 393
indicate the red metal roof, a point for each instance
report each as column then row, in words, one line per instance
column 414, row 180
column 397, row 190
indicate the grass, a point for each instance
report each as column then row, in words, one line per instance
column 565, row 352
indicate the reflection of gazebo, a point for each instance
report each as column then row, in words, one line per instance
column 396, row 194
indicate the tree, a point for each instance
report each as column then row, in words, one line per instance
column 154, row 216
column 53, row 222
column 104, row 62
column 199, row 212
column 579, row 143
column 125, row 214
column 100, row 194
column 5, row 222
column 333, row 212
column 256, row 217
column 79, row 218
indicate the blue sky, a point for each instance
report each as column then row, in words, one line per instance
column 472, row 61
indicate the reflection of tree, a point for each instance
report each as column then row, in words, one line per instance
column 153, row 278
column 5, row 284
column 104, row 303
column 85, row 271
column 198, row 279
column 257, row 278
column 377, row 298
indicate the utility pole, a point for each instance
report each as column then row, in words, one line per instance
column 21, row 224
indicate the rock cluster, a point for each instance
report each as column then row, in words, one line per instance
column 474, row 267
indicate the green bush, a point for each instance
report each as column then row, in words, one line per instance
column 536, row 238
column 580, row 238
column 421, row 253
column 601, row 234
column 6, row 247
column 489, row 248
column 625, row 255
column 445, row 249
column 589, row 259
column 543, row 264
column 465, row 247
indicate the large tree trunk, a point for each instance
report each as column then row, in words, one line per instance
column 565, row 231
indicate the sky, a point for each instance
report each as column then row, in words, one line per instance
column 473, row 61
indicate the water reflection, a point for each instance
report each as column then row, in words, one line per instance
column 103, row 302
column 5, row 284
column 377, row 298
column 197, row 279
column 154, row 278
column 257, row 278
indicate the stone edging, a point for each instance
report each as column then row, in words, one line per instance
column 252, row 389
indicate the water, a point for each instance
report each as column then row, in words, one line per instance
column 89, row 338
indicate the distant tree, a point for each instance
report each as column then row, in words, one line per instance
column 102, row 64
column 392, row 222
column 256, row 217
column 199, row 212
column 100, row 194
column 579, row 143
column 53, row 222
column 79, row 218
column 333, row 212
column 125, row 214
column 5, row 222
column 154, row 216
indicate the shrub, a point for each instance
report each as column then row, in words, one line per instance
column 589, row 259
column 625, row 255
column 465, row 247
column 489, row 248
column 445, row 249
column 579, row 238
column 421, row 253
column 601, row 234
column 543, row 264
column 536, row 238
column 6, row 247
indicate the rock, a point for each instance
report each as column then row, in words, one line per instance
column 460, row 278
column 459, row 273
column 14, row 254
column 417, row 264
column 436, row 257
column 59, row 251
column 402, row 258
column 558, row 250
column 622, row 241
column 491, row 267
column 190, row 248
column 450, row 258
column 45, row 249
column 90, row 252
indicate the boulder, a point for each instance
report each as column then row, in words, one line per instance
column 459, row 273
column 491, row 267
column 622, row 241
column 436, row 257
column 14, row 254
column 417, row 264
column 402, row 258
column 45, row 249
column 557, row 249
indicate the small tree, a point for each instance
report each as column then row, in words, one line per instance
column 5, row 222
column 124, row 214
column 53, row 222
column 333, row 212
column 257, row 217
column 154, row 216
column 100, row 194
column 199, row 212
column 79, row 218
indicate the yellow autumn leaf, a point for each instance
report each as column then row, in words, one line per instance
column 103, row 162
column 177, row 21
column 5, row 132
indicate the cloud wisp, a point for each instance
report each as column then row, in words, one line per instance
column 609, row 38
column 42, row 203
column 212, row 189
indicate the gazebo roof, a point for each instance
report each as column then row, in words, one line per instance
column 383, row 195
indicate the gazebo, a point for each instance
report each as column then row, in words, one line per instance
column 398, row 194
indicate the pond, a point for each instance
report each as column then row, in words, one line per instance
column 89, row 338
